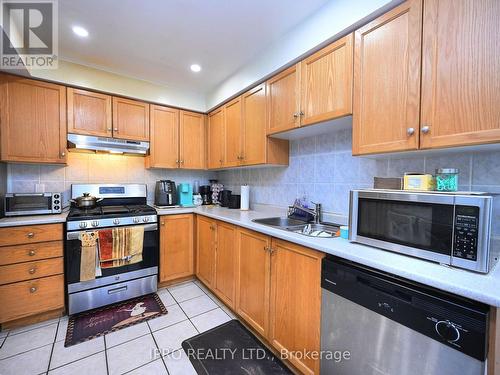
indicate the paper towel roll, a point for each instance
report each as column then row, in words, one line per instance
column 245, row 198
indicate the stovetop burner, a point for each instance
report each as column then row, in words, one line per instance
column 103, row 212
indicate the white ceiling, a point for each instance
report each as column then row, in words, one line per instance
column 157, row 40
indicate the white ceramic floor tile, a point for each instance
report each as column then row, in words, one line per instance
column 23, row 342
column 198, row 305
column 174, row 315
column 166, row 297
column 153, row 368
column 62, row 329
column 62, row 355
column 95, row 365
column 2, row 339
column 215, row 299
column 4, row 333
column 209, row 320
column 178, row 363
column 228, row 312
column 131, row 355
column 186, row 291
column 126, row 334
column 30, row 363
column 34, row 326
column 170, row 339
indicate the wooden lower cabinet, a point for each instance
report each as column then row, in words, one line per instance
column 253, row 279
column 206, row 237
column 295, row 303
column 176, row 247
column 225, row 263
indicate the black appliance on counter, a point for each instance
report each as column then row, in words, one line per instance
column 165, row 193
column 234, row 201
column 225, row 198
column 206, row 194
column 121, row 205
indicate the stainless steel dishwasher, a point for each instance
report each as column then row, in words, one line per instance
column 391, row 326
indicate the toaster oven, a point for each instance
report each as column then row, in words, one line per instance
column 19, row 204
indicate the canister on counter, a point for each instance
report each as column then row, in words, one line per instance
column 418, row 181
column 447, row 179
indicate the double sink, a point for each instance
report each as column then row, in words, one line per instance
column 320, row 230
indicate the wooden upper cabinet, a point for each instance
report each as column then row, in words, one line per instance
column 192, row 130
column 164, row 143
column 130, row 119
column 326, row 82
column 460, row 73
column 216, row 121
column 387, row 81
column 33, row 120
column 253, row 278
column 206, row 237
column 295, row 309
column 89, row 113
column 283, row 100
column 232, row 135
column 225, row 263
column 176, row 246
column 254, row 139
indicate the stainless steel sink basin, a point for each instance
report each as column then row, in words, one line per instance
column 297, row 226
column 280, row 222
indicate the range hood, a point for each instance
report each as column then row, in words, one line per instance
column 112, row 145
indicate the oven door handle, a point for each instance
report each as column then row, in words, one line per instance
column 75, row 235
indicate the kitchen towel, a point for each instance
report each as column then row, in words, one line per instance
column 245, row 198
column 123, row 248
column 106, row 248
column 88, row 255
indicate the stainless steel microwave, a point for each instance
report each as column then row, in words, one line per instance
column 449, row 228
column 18, row 204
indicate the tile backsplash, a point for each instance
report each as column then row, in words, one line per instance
column 323, row 170
column 93, row 168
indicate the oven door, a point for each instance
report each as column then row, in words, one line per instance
column 147, row 267
column 420, row 224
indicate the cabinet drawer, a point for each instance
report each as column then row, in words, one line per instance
column 31, row 297
column 30, row 270
column 30, row 252
column 30, row 234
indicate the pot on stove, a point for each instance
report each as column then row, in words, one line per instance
column 85, row 201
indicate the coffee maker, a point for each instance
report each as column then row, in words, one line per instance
column 165, row 193
column 206, row 194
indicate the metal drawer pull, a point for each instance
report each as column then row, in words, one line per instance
column 30, row 235
column 330, row 282
column 32, row 270
column 32, row 253
column 117, row 290
column 33, row 289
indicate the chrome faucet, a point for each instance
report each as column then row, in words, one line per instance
column 315, row 213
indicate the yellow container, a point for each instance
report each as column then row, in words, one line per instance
column 418, row 181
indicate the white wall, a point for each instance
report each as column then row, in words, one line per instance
column 328, row 21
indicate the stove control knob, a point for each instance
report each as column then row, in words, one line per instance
column 136, row 220
column 116, row 221
column 145, row 219
column 447, row 331
column 83, row 224
column 95, row 223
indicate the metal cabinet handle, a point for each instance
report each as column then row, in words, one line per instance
column 32, row 253
column 32, row 270
column 425, row 129
column 33, row 289
column 410, row 131
column 63, row 154
column 162, row 223
column 30, row 235
column 182, row 161
column 301, row 113
column 296, row 114
column 115, row 129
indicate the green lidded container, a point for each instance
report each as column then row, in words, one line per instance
column 447, row 179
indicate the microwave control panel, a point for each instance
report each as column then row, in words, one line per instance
column 466, row 232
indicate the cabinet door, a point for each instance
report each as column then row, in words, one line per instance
column 295, row 308
column 225, row 263
column 387, row 81
column 326, row 82
column 216, row 121
column 130, row 119
column 164, row 143
column 89, row 113
column 283, row 98
column 176, row 246
column 460, row 73
column 32, row 120
column 254, row 137
column 253, row 279
column 205, row 255
column 192, row 140
column 232, row 138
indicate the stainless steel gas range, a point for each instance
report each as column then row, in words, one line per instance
column 121, row 206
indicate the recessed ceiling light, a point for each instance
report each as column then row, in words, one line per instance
column 195, row 68
column 80, row 31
